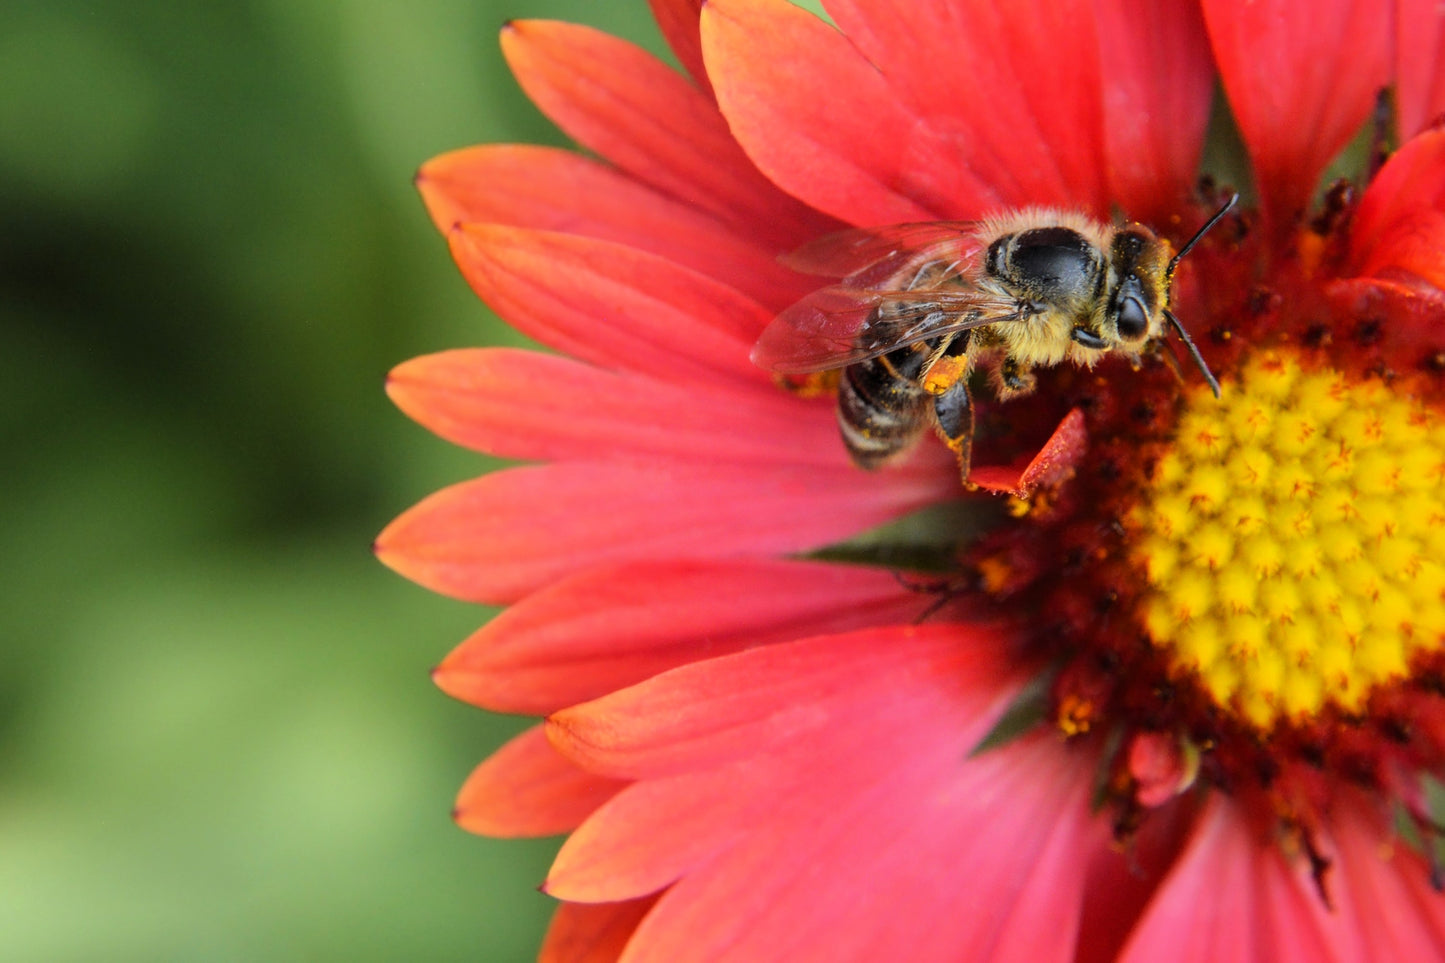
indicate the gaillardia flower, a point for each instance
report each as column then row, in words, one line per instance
column 1183, row 700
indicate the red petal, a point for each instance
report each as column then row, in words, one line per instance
column 526, row 788
column 799, row 770
column 1054, row 463
column 678, row 22
column 778, row 713
column 651, row 834
column 1419, row 65
column 1398, row 232
column 822, row 123
column 1232, row 898
column 555, row 190
column 1014, row 88
column 626, row 105
column 772, row 698
column 1157, row 84
column 522, row 404
column 612, row 305
column 1118, row 886
column 1301, row 76
column 592, row 934
column 1408, row 309
column 499, row 537
column 1383, row 890
column 978, row 861
column 789, row 852
column 606, row 629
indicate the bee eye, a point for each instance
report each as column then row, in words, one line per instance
column 1133, row 320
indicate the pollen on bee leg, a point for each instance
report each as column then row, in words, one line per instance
column 944, row 373
column 818, row 384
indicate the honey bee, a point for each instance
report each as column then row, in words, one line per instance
column 920, row 305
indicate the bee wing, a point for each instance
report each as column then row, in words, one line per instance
column 847, row 253
column 842, row 325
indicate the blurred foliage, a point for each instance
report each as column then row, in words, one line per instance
column 219, row 737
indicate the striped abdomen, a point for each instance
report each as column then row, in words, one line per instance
column 881, row 408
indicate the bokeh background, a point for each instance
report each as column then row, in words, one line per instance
column 219, row 738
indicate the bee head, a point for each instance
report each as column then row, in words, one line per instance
column 1139, row 268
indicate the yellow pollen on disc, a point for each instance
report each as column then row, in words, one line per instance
column 1292, row 540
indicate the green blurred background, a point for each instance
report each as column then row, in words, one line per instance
column 219, row 737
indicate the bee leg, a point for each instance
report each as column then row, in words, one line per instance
column 1013, row 378
column 948, row 365
column 945, row 377
column 953, row 414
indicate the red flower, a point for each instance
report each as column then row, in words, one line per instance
column 1167, row 709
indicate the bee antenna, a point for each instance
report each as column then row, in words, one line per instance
column 1189, row 342
column 1189, row 244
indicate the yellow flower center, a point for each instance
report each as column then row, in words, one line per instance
column 1292, row 538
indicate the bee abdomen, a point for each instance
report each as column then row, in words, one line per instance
column 880, row 412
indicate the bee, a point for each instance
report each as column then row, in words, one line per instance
column 921, row 305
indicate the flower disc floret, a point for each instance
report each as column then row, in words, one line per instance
column 1291, row 539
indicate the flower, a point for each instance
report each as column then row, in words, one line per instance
column 1172, row 706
